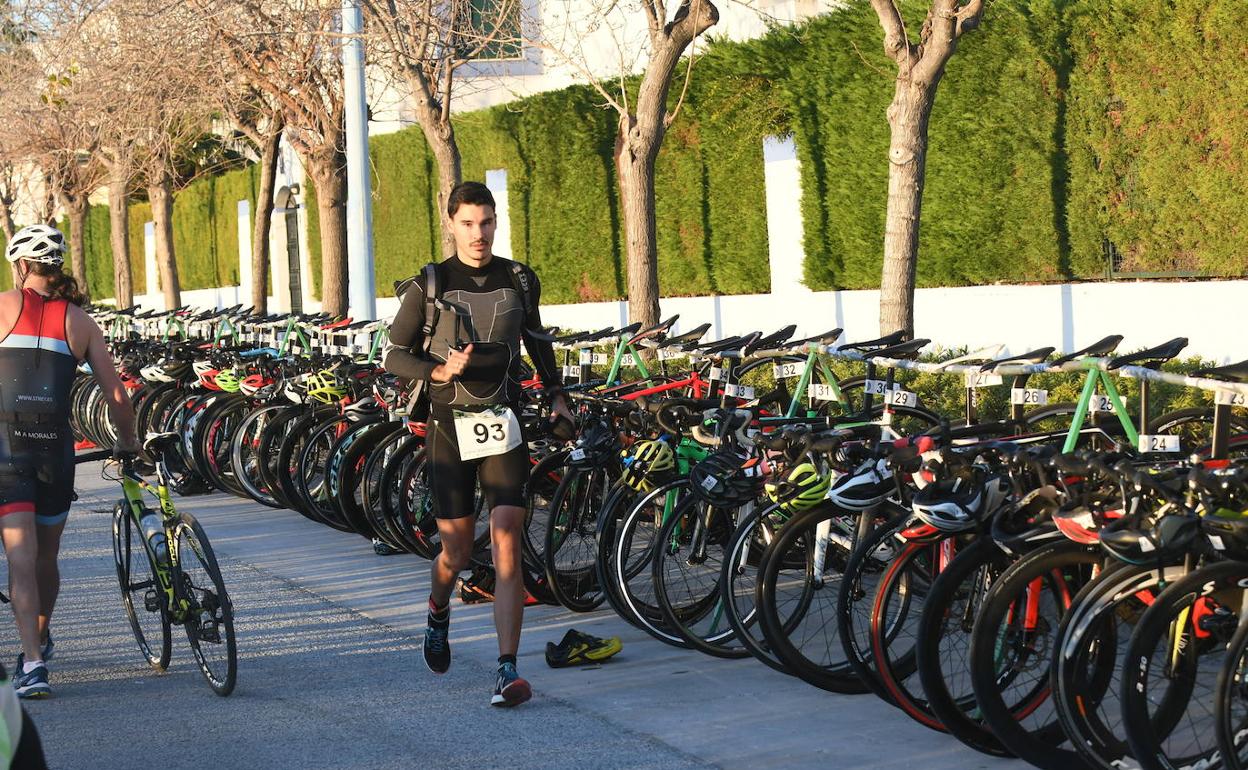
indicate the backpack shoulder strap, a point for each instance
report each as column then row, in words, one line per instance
column 433, row 292
column 520, row 282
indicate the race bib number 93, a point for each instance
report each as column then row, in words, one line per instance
column 492, row 431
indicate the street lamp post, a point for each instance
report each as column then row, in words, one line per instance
column 362, row 294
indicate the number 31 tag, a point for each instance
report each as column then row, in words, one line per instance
column 492, row 431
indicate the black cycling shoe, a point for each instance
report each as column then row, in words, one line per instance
column 437, row 649
column 579, row 648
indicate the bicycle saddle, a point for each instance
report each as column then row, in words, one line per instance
column 1100, row 348
column 1151, row 357
column 154, row 443
column 778, row 338
column 827, row 338
column 654, row 331
column 1231, row 372
column 693, row 335
column 906, row 350
column 882, row 342
column 1033, row 357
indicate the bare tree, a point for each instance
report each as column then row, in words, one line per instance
column 920, row 67
column 425, row 44
column 290, row 51
column 644, row 117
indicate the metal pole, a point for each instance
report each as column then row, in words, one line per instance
column 362, row 293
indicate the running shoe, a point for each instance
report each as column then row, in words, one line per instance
column 509, row 688
column 578, row 648
column 437, row 649
column 31, row 684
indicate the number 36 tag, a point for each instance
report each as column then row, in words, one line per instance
column 492, row 431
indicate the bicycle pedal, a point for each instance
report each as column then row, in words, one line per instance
column 151, row 602
column 210, row 631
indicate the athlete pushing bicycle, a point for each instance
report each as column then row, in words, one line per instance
column 43, row 335
column 474, row 434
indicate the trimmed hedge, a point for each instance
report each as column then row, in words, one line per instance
column 1157, row 127
column 1058, row 124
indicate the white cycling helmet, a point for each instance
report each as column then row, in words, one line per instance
column 868, row 485
column 37, row 243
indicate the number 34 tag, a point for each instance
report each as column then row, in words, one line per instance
column 492, row 431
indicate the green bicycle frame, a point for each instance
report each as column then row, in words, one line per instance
column 1096, row 375
column 133, row 486
column 799, row 393
column 293, row 328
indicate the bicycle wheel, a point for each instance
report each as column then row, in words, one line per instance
column 633, row 552
column 944, row 639
column 1231, row 703
column 210, row 615
column 739, row 582
column 687, row 566
column 570, row 548
column 144, row 603
column 1181, row 642
column 1012, row 644
column 1087, row 673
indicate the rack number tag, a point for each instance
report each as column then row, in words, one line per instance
column 1159, row 443
column 1101, row 404
column 875, row 387
column 788, row 370
column 820, row 391
column 589, row 357
column 982, row 379
column 572, row 372
column 576, row 455
column 739, row 391
column 1230, row 398
column 709, row 483
column 716, row 373
column 901, row 398
column 628, row 359
column 668, row 355
column 1029, row 396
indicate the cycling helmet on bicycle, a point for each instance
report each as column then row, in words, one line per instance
column 257, row 386
column 868, row 485
column 726, row 480
column 952, row 504
column 1227, row 531
column 647, row 464
column 154, row 373
column 365, row 407
column 325, row 386
column 203, row 367
column 208, row 379
column 802, row 488
column 1167, row 539
column 38, row 243
column 597, row 441
column 227, row 380
column 1027, row 523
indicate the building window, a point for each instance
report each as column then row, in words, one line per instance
column 488, row 30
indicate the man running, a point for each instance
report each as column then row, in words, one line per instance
column 43, row 335
column 473, row 368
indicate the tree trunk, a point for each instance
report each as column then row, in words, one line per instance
column 329, row 174
column 264, row 218
column 76, row 210
column 161, row 197
column 6, row 219
column 441, row 140
column 635, row 166
column 908, row 117
column 119, row 236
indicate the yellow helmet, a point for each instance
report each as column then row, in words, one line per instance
column 647, row 464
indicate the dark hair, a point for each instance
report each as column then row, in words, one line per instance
column 472, row 193
column 62, row 284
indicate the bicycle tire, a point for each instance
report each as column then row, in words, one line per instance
column 206, row 600
column 155, row 642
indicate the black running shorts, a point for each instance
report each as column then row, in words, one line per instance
column 503, row 478
column 36, row 471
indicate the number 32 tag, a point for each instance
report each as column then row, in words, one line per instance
column 492, row 431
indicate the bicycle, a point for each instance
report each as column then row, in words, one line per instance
column 159, row 585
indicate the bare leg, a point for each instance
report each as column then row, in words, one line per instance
column 506, row 523
column 457, row 537
column 18, row 532
column 48, row 573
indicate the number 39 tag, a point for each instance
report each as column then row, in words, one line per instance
column 492, row 431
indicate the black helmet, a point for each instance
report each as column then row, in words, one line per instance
column 726, row 479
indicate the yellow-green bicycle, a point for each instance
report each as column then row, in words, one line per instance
column 169, row 575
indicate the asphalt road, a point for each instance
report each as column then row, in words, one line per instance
column 330, row 676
